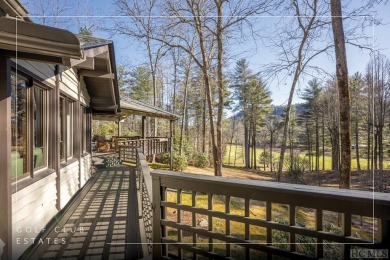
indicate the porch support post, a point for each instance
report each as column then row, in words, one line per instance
column 77, row 129
column 56, row 144
column 119, row 127
column 143, row 127
column 171, row 144
column 5, row 158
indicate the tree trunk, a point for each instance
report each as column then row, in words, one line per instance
column 231, row 139
column 369, row 165
column 218, row 144
column 184, row 107
column 380, row 149
column 204, row 122
column 309, row 150
column 246, row 145
column 357, row 138
column 317, row 147
column 323, row 141
column 375, row 155
column 270, row 154
column 254, row 146
column 264, row 155
column 291, row 137
column 297, row 73
column 235, row 154
column 344, row 96
column 334, row 139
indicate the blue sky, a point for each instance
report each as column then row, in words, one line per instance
column 132, row 53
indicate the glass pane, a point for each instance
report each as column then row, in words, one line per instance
column 84, row 130
column 19, row 126
column 40, row 117
column 62, row 134
column 69, row 129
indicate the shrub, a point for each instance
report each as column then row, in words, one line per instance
column 201, row 160
column 296, row 170
column 179, row 162
column 164, row 158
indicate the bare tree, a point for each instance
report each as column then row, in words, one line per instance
column 296, row 58
column 50, row 12
column 210, row 24
column 344, row 96
column 187, row 74
column 378, row 80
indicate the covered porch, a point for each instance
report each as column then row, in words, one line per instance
column 151, row 145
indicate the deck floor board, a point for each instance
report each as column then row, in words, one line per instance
column 102, row 222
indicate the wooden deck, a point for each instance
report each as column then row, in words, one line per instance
column 101, row 222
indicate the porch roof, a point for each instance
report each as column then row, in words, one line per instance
column 33, row 41
column 98, row 69
column 134, row 107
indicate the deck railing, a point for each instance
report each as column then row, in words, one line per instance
column 149, row 147
column 220, row 218
column 145, row 188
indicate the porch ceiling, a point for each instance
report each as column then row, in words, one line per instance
column 99, row 73
column 38, row 42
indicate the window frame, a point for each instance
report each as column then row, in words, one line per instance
column 33, row 83
column 84, row 137
column 66, row 103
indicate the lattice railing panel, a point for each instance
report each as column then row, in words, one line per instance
column 224, row 218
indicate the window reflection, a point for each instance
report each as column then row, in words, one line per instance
column 40, row 118
column 19, row 126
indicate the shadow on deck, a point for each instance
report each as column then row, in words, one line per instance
column 101, row 221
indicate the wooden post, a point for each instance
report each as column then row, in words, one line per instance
column 89, row 129
column 171, row 144
column 143, row 127
column 119, row 128
column 56, row 145
column 5, row 157
column 77, row 148
column 157, row 216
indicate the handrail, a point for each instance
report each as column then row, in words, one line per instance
column 297, row 199
column 143, row 168
column 150, row 146
column 145, row 187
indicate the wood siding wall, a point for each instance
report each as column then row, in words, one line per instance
column 85, row 169
column 69, row 182
column 32, row 208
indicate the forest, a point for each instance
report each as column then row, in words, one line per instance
column 198, row 63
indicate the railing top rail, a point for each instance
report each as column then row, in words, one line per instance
column 128, row 146
column 145, row 172
column 140, row 139
column 300, row 195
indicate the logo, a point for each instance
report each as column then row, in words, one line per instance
column 369, row 253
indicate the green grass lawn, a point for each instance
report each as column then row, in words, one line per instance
column 237, row 158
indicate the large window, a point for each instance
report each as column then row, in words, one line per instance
column 66, row 129
column 29, row 127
